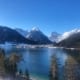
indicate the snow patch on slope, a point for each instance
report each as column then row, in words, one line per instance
column 69, row 34
column 35, row 29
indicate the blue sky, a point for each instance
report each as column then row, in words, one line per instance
column 48, row 15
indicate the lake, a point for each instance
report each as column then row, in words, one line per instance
column 38, row 61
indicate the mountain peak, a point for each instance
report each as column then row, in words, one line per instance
column 35, row 29
column 36, row 35
column 54, row 36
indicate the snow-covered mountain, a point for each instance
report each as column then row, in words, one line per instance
column 36, row 35
column 70, row 38
column 22, row 32
column 12, row 36
column 54, row 36
column 70, row 34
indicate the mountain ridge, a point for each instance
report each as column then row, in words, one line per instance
column 70, row 39
column 10, row 35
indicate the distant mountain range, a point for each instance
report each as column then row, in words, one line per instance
column 35, row 36
column 67, row 39
column 54, row 36
column 11, row 35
